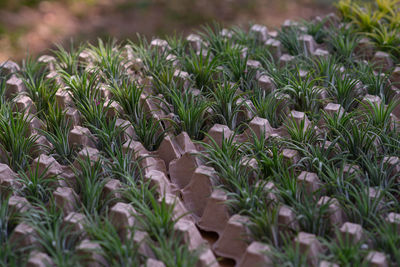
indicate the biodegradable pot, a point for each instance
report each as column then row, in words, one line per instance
column 290, row 156
column 39, row 259
column 179, row 211
column 309, row 245
column 23, row 103
column 256, row 255
column 395, row 76
column 215, row 215
column 207, row 258
column 81, row 136
column 266, row 83
column 73, row 116
column 3, row 156
column 14, row 86
column 352, row 170
column 298, row 117
column 171, row 58
column 8, row 180
column 91, row 254
column 34, row 124
column 23, row 236
column 285, row 60
column 45, row 163
column 182, row 169
column 185, row 143
column 377, row 259
column 57, row 78
column 394, row 220
column 141, row 238
column 354, row 232
column 49, row 61
column 158, row 181
column 308, row 42
column 154, row 263
column 246, row 110
column 232, row 243
column 86, row 153
column 17, row 204
column 254, row 65
column 159, row 45
column 111, row 190
column 9, row 67
column 271, row 191
column 182, row 79
column 64, row 99
column 327, row 264
column 321, row 53
column 74, row 221
column 129, row 131
column 194, row 41
column 195, row 195
column 275, row 48
column 309, row 181
column 134, row 147
column 257, row 127
column 40, row 142
column 260, row 32
column 150, row 163
column 369, row 99
column 365, row 48
column 191, row 236
column 251, row 167
column 113, row 109
column 332, row 108
column 382, row 60
column 122, row 216
column 168, row 150
column 105, row 93
column 65, row 199
column 393, row 164
column 336, row 215
column 218, row 132
column 287, row 218
column 66, row 178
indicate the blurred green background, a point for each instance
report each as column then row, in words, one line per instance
column 33, row 26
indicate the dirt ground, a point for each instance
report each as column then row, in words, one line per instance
column 33, row 30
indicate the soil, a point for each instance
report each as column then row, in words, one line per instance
column 33, row 30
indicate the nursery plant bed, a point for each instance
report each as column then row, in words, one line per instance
column 283, row 145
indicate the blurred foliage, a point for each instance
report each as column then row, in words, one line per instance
column 16, row 4
column 378, row 20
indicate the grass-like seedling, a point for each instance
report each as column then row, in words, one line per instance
column 346, row 252
column 10, row 254
column 127, row 94
column 386, row 237
column 304, row 92
column 191, row 113
column 121, row 252
column 227, row 104
column 40, row 89
column 91, row 181
column 15, row 139
column 288, row 254
column 68, row 59
column 131, row 96
column 203, row 68
column 289, row 39
column 36, row 186
column 267, row 106
column 56, row 240
column 57, row 134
